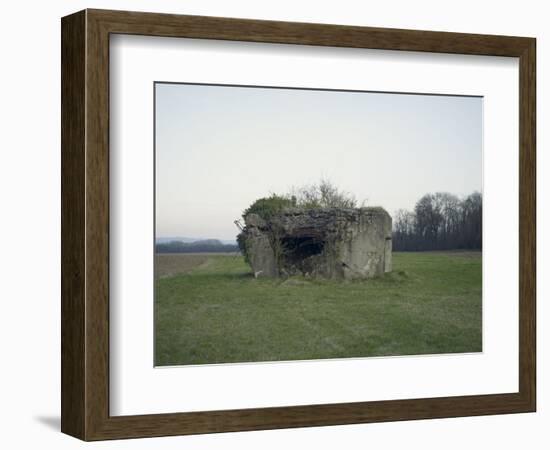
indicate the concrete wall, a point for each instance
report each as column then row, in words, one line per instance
column 368, row 253
column 356, row 243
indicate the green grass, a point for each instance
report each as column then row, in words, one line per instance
column 217, row 312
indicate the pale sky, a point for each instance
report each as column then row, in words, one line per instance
column 219, row 148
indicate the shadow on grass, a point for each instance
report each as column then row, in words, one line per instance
column 210, row 277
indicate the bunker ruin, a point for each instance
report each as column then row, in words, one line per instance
column 337, row 243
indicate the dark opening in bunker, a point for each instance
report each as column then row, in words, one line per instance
column 300, row 248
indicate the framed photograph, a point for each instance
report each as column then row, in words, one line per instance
column 272, row 224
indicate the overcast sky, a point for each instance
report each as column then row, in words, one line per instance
column 219, row 148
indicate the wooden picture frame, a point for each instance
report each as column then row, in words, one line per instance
column 85, row 224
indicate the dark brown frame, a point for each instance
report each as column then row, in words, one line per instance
column 85, row 224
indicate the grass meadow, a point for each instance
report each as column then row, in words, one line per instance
column 210, row 309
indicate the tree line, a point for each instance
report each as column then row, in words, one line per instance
column 439, row 221
column 204, row 246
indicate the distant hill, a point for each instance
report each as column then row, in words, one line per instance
column 164, row 240
column 200, row 246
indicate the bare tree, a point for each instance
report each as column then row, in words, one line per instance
column 322, row 195
column 440, row 221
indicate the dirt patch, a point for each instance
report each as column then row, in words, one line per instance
column 295, row 282
column 167, row 265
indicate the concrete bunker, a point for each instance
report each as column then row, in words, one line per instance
column 343, row 243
